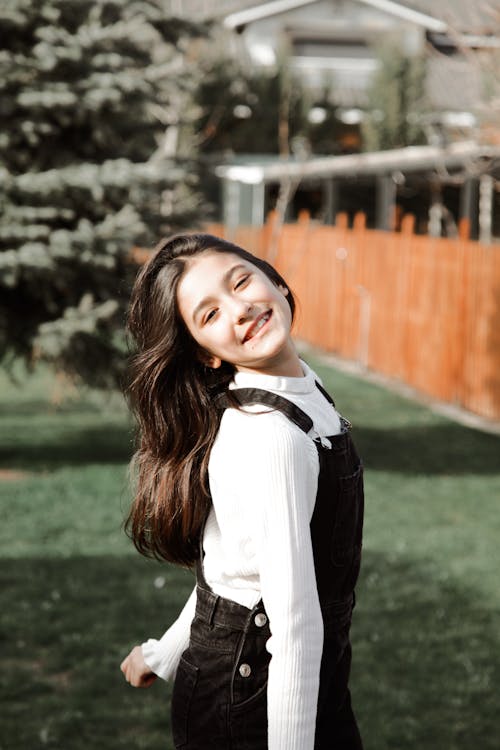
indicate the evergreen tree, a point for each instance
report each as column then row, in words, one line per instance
column 396, row 101
column 93, row 97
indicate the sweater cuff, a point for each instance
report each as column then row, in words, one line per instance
column 163, row 656
column 162, row 666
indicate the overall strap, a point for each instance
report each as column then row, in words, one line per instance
column 325, row 393
column 345, row 425
column 245, row 396
column 200, row 575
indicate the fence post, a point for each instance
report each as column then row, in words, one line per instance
column 359, row 223
column 408, row 224
column 464, row 228
column 342, row 220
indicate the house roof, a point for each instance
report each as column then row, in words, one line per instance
column 471, row 16
column 467, row 16
column 258, row 11
column 408, row 12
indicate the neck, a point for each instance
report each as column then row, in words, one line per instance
column 287, row 366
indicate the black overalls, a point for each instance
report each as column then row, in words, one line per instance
column 219, row 699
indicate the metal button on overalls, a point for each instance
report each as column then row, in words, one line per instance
column 245, row 670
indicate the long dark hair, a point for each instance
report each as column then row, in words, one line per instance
column 176, row 401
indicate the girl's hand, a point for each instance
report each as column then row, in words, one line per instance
column 135, row 669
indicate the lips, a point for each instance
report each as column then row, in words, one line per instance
column 259, row 322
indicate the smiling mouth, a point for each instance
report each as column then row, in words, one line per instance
column 256, row 327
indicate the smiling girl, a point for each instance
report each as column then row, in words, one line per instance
column 245, row 471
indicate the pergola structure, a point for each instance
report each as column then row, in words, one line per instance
column 468, row 165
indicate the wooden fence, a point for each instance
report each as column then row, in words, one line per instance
column 420, row 309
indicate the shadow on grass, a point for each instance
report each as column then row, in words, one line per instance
column 442, row 449
column 446, row 448
column 41, row 407
column 424, row 671
column 74, row 445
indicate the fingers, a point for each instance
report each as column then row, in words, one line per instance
column 123, row 666
column 147, row 680
column 135, row 669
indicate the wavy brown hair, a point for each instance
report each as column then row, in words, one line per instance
column 176, row 400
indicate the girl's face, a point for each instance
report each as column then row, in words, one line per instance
column 237, row 315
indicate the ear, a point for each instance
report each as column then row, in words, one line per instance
column 283, row 290
column 209, row 360
column 214, row 363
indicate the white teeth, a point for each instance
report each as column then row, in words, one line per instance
column 259, row 324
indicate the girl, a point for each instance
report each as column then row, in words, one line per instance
column 245, row 470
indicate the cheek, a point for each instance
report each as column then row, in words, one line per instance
column 194, row 333
column 214, row 338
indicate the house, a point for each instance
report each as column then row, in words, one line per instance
column 336, row 42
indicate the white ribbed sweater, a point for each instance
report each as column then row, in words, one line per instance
column 263, row 474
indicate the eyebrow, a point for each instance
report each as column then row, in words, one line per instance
column 225, row 279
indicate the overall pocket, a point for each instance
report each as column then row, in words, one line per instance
column 347, row 529
column 250, row 670
column 184, row 685
column 248, row 713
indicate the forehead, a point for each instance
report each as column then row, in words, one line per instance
column 206, row 271
column 213, row 260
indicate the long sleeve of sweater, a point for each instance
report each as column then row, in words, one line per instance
column 162, row 656
column 277, row 469
column 289, row 592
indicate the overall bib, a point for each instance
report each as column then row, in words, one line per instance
column 219, row 699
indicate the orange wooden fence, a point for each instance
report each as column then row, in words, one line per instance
column 417, row 308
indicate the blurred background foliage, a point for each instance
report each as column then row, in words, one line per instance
column 396, row 101
column 261, row 111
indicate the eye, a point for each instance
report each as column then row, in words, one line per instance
column 242, row 281
column 209, row 316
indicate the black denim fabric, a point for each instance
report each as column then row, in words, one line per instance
column 219, row 700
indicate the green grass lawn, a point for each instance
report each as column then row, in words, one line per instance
column 75, row 595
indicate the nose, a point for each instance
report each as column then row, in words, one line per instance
column 241, row 310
